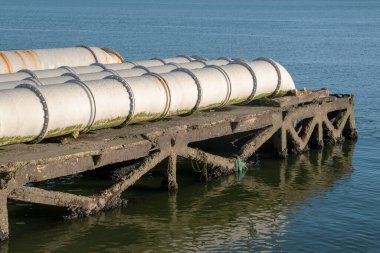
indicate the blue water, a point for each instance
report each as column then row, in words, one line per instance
column 331, row 201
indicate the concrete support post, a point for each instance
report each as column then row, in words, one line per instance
column 320, row 134
column 280, row 143
column 349, row 130
column 317, row 138
column 169, row 181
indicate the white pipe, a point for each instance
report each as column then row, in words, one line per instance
column 31, row 113
column 93, row 68
column 137, row 70
column 39, row 59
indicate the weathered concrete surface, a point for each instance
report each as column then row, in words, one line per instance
column 292, row 124
column 169, row 180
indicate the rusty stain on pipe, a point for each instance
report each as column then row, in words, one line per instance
column 20, row 57
column 40, row 59
column 6, row 62
column 31, row 58
column 35, row 56
column 114, row 53
column 106, row 57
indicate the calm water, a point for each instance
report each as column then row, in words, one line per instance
column 323, row 201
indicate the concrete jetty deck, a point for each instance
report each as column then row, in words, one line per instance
column 290, row 124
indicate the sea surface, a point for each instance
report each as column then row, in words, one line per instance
column 322, row 201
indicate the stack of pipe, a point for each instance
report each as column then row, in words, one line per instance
column 98, row 71
column 39, row 59
column 75, row 100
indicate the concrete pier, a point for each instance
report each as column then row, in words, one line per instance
column 289, row 124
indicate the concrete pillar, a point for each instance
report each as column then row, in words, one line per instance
column 169, row 181
column 317, row 137
column 280, row 143
column 349, row 130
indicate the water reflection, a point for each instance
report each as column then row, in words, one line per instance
column 249, row 214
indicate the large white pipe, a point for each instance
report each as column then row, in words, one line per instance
column 31, row 113
column 39, row 59
column 137, row 70
column 93, row 68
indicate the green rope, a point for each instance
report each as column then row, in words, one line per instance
column 239, row 165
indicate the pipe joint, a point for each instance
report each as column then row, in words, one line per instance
column 254, row 79
column 167, row 91
column 91, row 51
column 142, row 67
column 199, row 87
column 29, row 72
column 225, row 58
column 132, row 104
column 73, row 75
column 91, row 99
column 159, row 59
column 197, row 57
column 274, row 64
column 45, row 108
column 228, row 81
column 131, row 62
column 68, row 69
column 34, row 81
column 98, row 64
column 186, row 57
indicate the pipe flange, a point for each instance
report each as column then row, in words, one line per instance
column 98, row 64
column 111, row 51
column 112, row 72
column 73, row 75
column 199, row 87
column 186, row 57
column 69, row 69
column 159, row 59
column 131, row 62
column 174, row 64
column 141, row 67
column 229, row 85
column 274, row 64
column 167, row 91
column 91, row 51
column 226, row 59
column 45, row 108
column 200, row 61
column 197, row 57
column 92, row 103
column 36, row 82
column 29, row 72
column 132, row 105
column 254, row 79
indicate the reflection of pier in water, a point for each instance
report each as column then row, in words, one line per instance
column 251, row 211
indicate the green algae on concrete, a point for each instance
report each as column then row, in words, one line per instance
column 106, row 123
column 65, row 131
column 16, row 139
column 144, row 116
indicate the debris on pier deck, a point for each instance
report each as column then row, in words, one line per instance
column 290, row 124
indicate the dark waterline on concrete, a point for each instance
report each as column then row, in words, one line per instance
column 331, row 201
